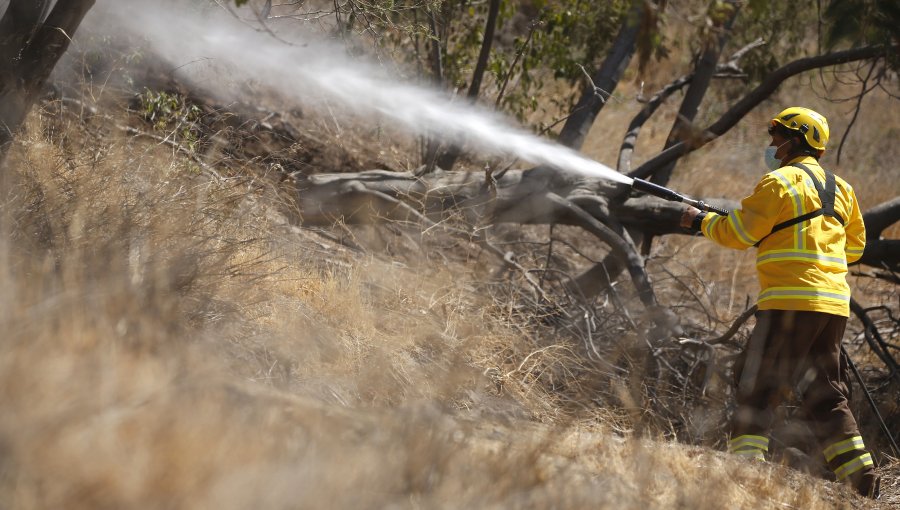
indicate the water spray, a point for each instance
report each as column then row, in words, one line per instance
column 217, row 53
column 224, row 52
column 673, row 196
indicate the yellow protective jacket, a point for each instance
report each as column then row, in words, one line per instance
column 802, row 267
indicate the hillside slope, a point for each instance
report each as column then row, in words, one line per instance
column 171, row 340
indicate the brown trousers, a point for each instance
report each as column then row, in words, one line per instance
column 793, row 351
column 789, row 351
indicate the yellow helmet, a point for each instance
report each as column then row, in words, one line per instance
column 812, row 125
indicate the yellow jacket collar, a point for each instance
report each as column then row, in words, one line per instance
column 806, row 160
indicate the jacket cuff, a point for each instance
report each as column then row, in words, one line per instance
column 698, row 221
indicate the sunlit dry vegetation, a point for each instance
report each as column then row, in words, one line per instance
column 174, row 337
column 171, row 341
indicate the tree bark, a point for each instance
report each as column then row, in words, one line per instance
column 448, row 159
column 18, row 24
column 730, row 69
column 626, row 150
column 880, row 217
column 432, row 145
column 607, row 78
column 31, row 49
column 682, row 128
column 882, row 253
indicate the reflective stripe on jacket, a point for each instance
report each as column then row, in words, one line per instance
column 802, row 267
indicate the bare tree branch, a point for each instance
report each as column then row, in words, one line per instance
column 874, row 339
column 729, row 68
column 859, row 99
column 706, row 66
column 634, row 128
column 735, row 326
column 737, row 112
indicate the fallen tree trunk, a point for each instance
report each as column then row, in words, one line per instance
column 514, row 198
column 537, row 196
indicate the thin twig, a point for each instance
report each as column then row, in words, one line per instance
column 856, row 110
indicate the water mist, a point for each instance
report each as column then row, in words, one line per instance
column 197, row 42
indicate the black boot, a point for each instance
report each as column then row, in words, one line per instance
column 867, row 483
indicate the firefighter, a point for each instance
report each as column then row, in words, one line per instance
column 807, row 225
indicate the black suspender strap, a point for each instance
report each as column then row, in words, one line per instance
column 793, row 221
column 828, row 198
column 826, row 195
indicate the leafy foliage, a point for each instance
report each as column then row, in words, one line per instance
column 862, row 22
column 542, row 42
column 172, row 113
column 784, row 27
column 650, row 40
column 560, row 36
column 538, row 41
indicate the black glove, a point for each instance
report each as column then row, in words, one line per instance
column 698, row 220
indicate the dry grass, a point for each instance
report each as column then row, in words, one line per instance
column 169, row 341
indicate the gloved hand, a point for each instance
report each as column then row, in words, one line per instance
column 691, row 218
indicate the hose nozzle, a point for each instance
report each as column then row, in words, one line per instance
column 656, row 190
column 673, row 196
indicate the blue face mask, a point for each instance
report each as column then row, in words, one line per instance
column 773, row 163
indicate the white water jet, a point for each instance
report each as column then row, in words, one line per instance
column 312, row 70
